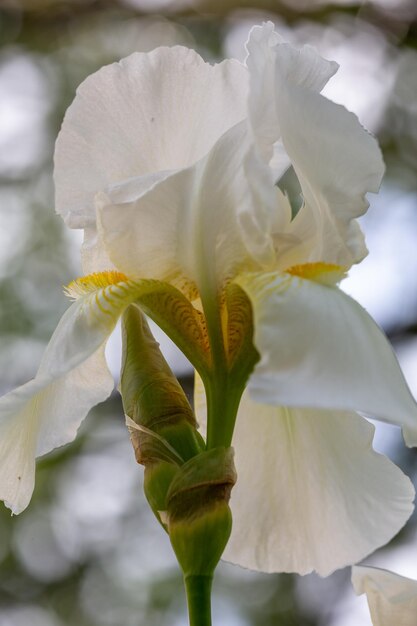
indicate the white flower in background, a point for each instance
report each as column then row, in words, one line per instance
column 392, row 599
column 170, row 166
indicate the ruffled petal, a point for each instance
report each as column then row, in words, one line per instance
column 311, row 492
column 304, row 67
column 319, row 348
column 337, row 162
column 392, row 599
column 151, row 112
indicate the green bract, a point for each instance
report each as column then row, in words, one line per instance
column 187, row 487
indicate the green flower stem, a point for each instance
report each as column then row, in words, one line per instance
column 211, row 308
column 223, row 397
column 198, row 589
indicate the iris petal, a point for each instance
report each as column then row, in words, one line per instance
column 392, row 599
column 319, row 348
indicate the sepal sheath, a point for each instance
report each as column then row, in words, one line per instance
column 153, row 398
column 198, row 513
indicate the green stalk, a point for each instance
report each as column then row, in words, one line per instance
column 183, row 478
column 229, row 372
column 221, row 403
column 198, row 590
column 223, row 398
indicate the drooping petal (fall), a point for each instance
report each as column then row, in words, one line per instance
column 392, row 599
column 311, row 492
column 44, row 414
column 149, row 113
column 319, row 348
column 73, row 377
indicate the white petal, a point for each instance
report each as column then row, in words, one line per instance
column 319, row 348
column 266, row 51
column 311, row 493
column 93, row 252
column 392, row 599
column 73, row 377
column 261, row 47
column 337, row 162
column 66, row 401
column 18, row 440
column 270, row 62
column 40, row 416
column 268, row 212
column 157, row 111
column 94, row 257
column 187, row 226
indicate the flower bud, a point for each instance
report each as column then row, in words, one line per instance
column 160, row 419
column 152, row 396
column 187, row 487
column 198, row 515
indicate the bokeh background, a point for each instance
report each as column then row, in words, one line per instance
column 88, row 552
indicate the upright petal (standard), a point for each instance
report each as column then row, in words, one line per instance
column 139, row 117
column 336, row 161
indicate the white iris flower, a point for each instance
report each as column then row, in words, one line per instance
column 174, row 169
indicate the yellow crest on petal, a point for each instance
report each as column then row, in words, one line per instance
column 324, row 273
column 109, row 293
column 88, row 284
